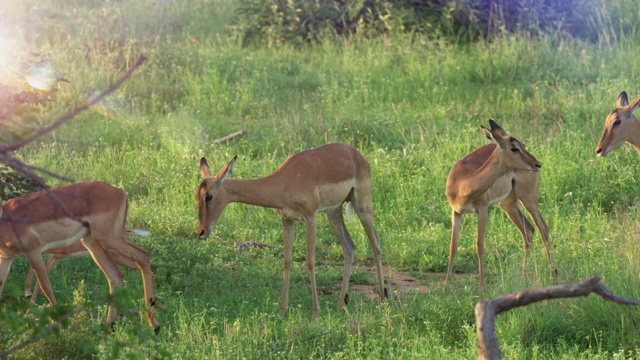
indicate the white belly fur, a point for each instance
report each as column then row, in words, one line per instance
column 65, row 242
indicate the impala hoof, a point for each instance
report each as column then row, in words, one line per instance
column 346, row 299
column 156, row 330
column 386, row 293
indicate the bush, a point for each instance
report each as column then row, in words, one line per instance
column 300, row 21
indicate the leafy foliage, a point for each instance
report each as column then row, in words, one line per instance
column 34, row 85
column 296, row 21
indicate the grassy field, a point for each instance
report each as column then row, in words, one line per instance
column 412, row 106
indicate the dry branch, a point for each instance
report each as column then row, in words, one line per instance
column 487, row 310
column 229, row 137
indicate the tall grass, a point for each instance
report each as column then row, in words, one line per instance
column 412, row 106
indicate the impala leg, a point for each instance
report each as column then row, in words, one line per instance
column 310, row 224
column 53, row 260
column 532, row 207
column 142, row 258
column 482, row 228
column 512, row 209
column 35, row 259
column 5, row 266
column 456, row 223
column 109, row 269
column 287, row 231
column 367, row 223
column 336, row 220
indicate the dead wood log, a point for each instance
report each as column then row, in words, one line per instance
column 229, row 137
column 487, row 310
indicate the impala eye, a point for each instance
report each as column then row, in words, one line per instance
column 208, row 197
column 616, row 122
column 515, row 150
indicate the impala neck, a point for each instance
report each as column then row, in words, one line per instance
column 634, row 137
column 261, row 192
column 484, row 178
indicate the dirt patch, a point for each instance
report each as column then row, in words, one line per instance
column 399, row 283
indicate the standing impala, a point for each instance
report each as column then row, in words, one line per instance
column 620, row 126
column 316, row 180
column 503, row 173
column 91, row 212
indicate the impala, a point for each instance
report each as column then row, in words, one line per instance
column 503, row 173
column 72, row 251
column 315, row 180
column 620, row 126
column 91, row 212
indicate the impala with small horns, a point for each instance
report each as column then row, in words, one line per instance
column 504, row 173
column 91, row 212
column 620, row 126
column 316, row 180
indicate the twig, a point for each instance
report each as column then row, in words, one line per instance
column 73, row 113
column 487, row 310
column 229, row 137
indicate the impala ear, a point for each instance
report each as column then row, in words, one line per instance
column 227, row 169
column 623, row 100
column 635, row 104
column 204, row 167
column 496, row 134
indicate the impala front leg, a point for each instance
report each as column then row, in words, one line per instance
column 482, row 228
column 5, row 266
column 42, row 276
column 287, row 232
column 310, row 224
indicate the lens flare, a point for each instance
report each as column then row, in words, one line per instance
column 41, row 75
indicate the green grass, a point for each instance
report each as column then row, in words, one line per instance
column 412, row 107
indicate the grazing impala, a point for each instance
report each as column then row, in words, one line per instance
column 620, row 126
column 503, row 173
column 76, row 250
column 316, row 180
column 91, row 212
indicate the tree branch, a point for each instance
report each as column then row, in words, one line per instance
column 487, row 310
column 72, row 114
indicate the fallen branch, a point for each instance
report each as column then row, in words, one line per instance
column 229, row 137
column 487, row 310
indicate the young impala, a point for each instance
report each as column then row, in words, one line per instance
column 312, row 181
column 620, row 126
column 503, row 173
column 91, row 212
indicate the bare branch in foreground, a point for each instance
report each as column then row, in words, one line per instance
column 487, row 310
column 76, row 111
column 229, row 137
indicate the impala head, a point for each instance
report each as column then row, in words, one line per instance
column 515, row 154
column 211, row 196
column 619, row 125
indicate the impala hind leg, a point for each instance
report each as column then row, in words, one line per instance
column 287, row 235
column 336, row 220
column 361, row 202
column 109, row 269
column 456, row 223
